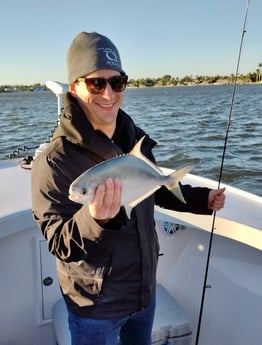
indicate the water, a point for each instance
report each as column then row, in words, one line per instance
column 189, row 124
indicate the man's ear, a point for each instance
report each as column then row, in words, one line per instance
column 72, row 89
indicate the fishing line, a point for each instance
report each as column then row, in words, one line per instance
column 205, row 286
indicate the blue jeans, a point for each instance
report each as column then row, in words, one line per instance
column 132, row 330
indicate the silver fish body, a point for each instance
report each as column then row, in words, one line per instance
column 138, row 175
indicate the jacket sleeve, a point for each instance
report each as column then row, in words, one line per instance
column 70, row 230
column 196, row 199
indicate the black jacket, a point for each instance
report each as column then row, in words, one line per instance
column 109, row 271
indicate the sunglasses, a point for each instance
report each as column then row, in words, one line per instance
column 97, row 85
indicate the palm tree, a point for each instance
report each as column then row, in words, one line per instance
column 259, row 72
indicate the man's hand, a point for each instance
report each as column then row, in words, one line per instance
column 107, row 201
column 216, row 199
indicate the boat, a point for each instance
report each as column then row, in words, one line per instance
column 230, row 298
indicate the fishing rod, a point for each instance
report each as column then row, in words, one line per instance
column 205, row 286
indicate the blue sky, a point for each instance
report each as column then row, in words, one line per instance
column 176, row 37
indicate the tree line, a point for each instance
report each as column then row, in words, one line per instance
column 166, row 80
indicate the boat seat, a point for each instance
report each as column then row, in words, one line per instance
column 171, row 326
column 60, row 323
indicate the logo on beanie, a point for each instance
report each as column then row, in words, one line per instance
column 111, row 56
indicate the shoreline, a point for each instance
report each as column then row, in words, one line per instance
column 31, row 88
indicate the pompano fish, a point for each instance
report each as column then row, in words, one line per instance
column 138, row 175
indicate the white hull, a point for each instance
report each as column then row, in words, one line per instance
column 233, row 302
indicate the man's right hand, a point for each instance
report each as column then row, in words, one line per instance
column 107, row 201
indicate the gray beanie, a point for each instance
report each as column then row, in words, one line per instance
column 90, row 52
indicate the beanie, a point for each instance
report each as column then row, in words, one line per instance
column 90, row 52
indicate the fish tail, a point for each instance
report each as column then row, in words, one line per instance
column 175, row 177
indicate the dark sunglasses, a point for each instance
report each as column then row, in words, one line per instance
column 98, row 85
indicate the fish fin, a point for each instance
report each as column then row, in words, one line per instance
column 136, row 151
column 176, row 176
column 128, row 210
column 134, row 203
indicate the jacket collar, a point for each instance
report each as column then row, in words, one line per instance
column 75, row 127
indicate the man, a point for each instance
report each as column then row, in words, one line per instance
column 106, row 263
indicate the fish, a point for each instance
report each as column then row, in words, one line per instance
column 139, row 177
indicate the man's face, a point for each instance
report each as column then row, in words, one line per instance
column 100, row 109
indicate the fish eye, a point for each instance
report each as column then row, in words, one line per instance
column 84, row 191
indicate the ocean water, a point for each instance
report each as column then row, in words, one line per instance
column 188, row 123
